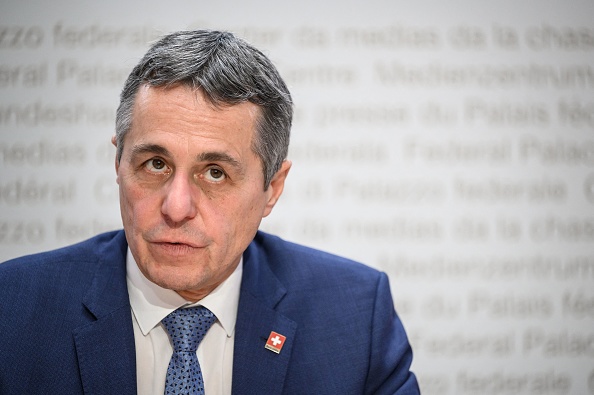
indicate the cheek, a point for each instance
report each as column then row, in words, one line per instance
column 136, row 203
column 231, row 215
column 249, row 211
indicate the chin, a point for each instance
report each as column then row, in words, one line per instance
column 176, row 278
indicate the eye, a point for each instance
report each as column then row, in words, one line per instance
column 156, row 165
column 214, row 174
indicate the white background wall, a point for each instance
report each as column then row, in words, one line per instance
column 448, row 143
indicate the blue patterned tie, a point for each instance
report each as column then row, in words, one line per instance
column 186, row 328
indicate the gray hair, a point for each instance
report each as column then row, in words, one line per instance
column 228, row 71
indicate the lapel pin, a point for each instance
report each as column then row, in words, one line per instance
column 275, row 342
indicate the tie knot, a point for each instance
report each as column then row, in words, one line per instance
column 187, row 327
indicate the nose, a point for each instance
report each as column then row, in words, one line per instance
column 180, row 201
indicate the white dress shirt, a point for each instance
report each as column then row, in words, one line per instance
column 151, row 303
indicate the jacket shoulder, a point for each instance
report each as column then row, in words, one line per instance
column 45, row 271
column 56, row 296
column 87, row 250
column 287, row 257
column 343, row 310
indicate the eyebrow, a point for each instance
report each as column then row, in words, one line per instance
column 141, row 149
column 216, row 156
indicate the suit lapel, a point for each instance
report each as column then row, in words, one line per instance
column 255, row 368
column 105, row 347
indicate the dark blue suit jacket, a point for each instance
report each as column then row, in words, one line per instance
column 66, row 324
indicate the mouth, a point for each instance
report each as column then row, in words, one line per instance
column 189, row 244
column 175, row 247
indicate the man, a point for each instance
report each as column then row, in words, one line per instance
column 202, row 134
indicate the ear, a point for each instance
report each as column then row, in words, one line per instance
column 277, row 184
column 117, row 162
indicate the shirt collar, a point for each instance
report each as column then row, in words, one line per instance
column 151, row 303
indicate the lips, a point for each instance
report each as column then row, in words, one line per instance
column 174, row 247
column 173, row 250
column 191, row 244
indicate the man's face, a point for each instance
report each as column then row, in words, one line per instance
column 191, row 188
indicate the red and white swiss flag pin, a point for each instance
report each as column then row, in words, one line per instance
column 275, row 342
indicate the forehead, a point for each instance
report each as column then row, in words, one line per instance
column 179, row 114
